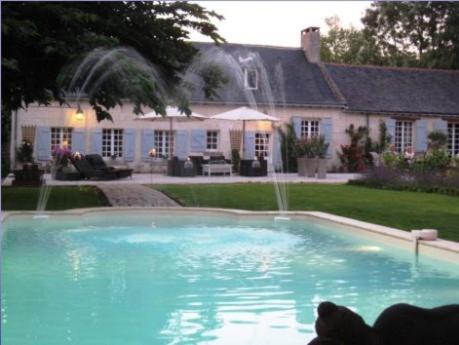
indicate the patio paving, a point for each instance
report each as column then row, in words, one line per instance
column 163, row 179
column 135, row 195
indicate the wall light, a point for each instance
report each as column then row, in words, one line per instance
column 79, row 113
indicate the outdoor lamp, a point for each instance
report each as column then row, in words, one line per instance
column 152, row 153
column 79, row 113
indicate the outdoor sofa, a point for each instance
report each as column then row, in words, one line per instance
column 93, row 166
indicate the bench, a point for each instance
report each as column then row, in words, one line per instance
column 217, row 168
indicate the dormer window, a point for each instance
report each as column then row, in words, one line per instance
column 250, row 79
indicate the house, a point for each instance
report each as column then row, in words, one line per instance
column 291, row 84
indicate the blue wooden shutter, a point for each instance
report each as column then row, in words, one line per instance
column 390, row 125
column 78, row 141
column 327, row 131
column 181, row 144
column 249, row 145
column 296, row 121
column 421, row 136
column 96, row 141
column 147, row 143
column 43, row 143
column 277, row 154
column 198, row 140
column 441, row 125
column 129, row 144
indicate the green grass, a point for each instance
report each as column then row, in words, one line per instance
column 60, row 198
column 403, row 210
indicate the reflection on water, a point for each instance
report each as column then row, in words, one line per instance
column 203, row 282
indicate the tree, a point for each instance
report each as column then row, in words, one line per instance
column 348, row 45
column 424, row 34
column 39, row 39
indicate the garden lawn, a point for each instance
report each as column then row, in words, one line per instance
column 398, row 209
column 60, row 198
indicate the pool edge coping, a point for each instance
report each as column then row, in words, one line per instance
column 402, row 235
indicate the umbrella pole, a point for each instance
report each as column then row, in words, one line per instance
column 243, row 139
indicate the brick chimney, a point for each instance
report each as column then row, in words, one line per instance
column 310, row 42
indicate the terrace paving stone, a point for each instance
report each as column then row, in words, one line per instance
column 135, row 195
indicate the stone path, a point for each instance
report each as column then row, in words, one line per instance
column 135, row 195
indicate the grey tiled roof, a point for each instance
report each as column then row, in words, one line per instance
column 304, row 83
column 397, row 90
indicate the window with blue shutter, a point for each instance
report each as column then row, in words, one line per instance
column 96, row 141
column 249, row 145
column 129, row 144
column 277, row 154
column 181, row 144
column 78, row 141
column 198, row 140
column 441, row 125
column 421, row 136
column 327, row 131
column 390, row 125
column 147, row 142
column 296, row 121
column 43, row 143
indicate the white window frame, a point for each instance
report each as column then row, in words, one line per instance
column 161, row 142
column 403, row 135
column 59, row 135
column 247, row 85
column 262, row 139
column 310, row 128
column 212, row 141
column 453, row 139
column 115, row 146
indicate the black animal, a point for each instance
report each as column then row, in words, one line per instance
column 400, row 324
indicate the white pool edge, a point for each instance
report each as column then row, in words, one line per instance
column 441, row 249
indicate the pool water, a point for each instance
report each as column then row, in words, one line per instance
column 198, row 279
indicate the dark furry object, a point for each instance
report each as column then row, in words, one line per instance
column 400, row 324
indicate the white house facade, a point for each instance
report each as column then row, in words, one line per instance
column 316, row 98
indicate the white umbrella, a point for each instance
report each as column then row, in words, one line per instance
column 244, row 114
column 172, row 114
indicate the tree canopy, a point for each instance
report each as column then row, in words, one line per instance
column 411, row 34
column 39, row 39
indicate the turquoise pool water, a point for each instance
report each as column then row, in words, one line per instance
column 184, row 279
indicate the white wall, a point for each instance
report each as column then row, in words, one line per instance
column 123, row 117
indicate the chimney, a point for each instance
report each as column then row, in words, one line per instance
column 310, row 42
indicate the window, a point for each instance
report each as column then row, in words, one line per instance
column 262, row 145
column 212, row 140
column 309, row 128
column 403, row 135
column 453, row 139
column 250, row 79
column 112, row 142
column 61, row 137
column 162, row 143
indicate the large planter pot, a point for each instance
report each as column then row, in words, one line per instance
column 301, row 163
column 311, row 167
column 322, row 168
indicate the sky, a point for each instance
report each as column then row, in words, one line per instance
column 278, row 23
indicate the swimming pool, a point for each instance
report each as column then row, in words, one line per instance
column 198, row 278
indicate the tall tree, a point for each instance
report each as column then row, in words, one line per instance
column 348, row 45
column 424, row 34
column 40, row 38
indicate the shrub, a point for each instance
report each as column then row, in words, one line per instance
column 236, row 159
column 437, row 140
column 24, row 154
column 353, row 156
column 288, row 148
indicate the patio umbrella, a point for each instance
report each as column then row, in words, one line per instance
column 172, row 114
column 244, row 114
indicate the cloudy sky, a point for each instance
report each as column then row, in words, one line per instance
column 278, row 23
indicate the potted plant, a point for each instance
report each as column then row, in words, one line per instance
column 320, row 151
column 302, row 150
column 24, row 152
